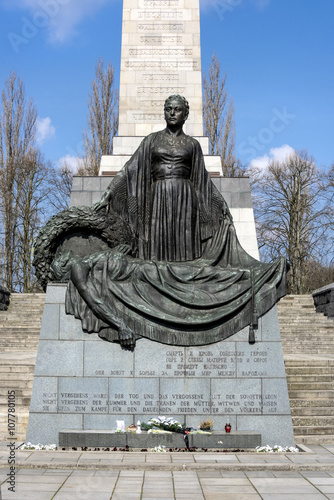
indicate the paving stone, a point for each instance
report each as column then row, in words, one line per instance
column 283, row 486
column 262, row 474
column 232, row 496
column 292, row 496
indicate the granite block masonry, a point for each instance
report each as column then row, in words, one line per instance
column 161, row 55
column 84, row 383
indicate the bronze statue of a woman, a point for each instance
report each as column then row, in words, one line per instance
column 165, row 192
column 189, row 281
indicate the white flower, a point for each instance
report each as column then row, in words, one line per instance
column 277, row 449
column 30, row 446
column 159, row 449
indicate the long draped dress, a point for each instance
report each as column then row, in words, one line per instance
column 175, row 214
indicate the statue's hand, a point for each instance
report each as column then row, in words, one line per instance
column 126, row 337
column 103, row 203
column 123, row 249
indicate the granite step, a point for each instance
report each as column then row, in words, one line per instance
column 313, row 431
column 310, row 386
column 299, row 372
column 316, row 411
column 21, row 401
column 17, row 369
column 310, row 379
column 310, row 394
column 312, row 403
column 317, row 421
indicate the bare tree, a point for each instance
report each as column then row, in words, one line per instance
column 62, row 178
column 36, row 187
column 102, row 122
column 292, row 214
column 218, row 117
column 17, row 135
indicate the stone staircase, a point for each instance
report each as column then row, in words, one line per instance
column 304, row 331
column 19, row 334
column 311, row 392
column 307, row 340
column 20, row 325
column 308, row 347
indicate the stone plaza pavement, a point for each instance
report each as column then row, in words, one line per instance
column 67, row 475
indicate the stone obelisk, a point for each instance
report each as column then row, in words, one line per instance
column 161, row 55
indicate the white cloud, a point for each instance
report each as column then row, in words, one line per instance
column 278, row 154
column 45, row 130
column 70, row 161
column 59, row 17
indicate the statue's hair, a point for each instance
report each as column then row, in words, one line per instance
column 179, row 97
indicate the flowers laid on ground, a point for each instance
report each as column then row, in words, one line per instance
column 131, row 428
column 158, row 431
column 276, row 449
column 164, row 423
column 159, row 449
column 29, row 446
column 199, row 431
column 206, row 425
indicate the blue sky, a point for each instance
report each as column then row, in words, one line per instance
column 278, row 56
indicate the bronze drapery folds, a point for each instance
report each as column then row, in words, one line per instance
column 184, row 278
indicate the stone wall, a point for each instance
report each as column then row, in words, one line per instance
column 236, row 191
column 83, row 382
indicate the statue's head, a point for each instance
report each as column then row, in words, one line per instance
column 183, row 102
column 61, row 265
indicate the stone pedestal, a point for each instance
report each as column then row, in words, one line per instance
column 104, row 438
column 82, row 382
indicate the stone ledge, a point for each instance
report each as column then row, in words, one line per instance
column 324, row 300
column 103, row 438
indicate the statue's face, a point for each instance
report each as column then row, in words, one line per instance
column 175, row 112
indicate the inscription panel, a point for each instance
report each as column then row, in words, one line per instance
column 185, row 396
column 163, row 14
column 214, row 360
column 82, row 395
column 156, row 40
column 159, row 36
column 160, row 27
column 133, row 396
column 159, row 3
column 190, row 64
column 261, row 360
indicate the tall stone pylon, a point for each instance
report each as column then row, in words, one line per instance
column 161, row 55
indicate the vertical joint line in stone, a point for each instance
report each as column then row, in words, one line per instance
column 262, row 396
column 83, row 358
column 58, row 332
column 57, row 395
column 159, row 392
